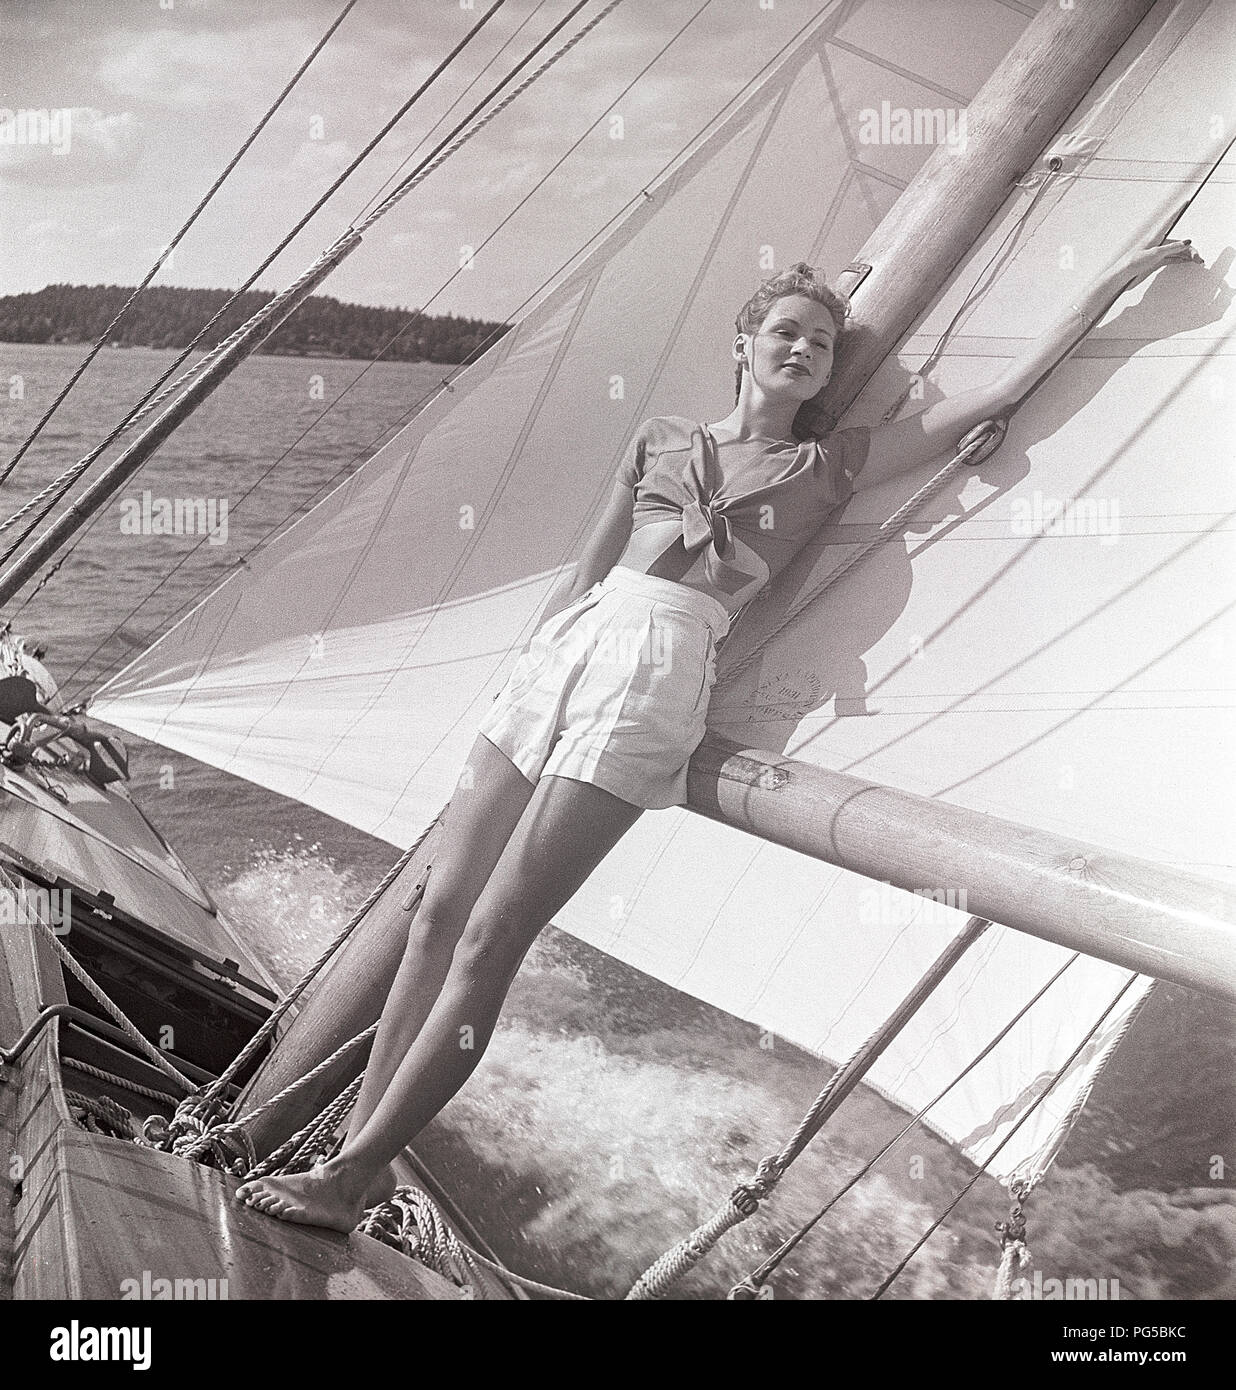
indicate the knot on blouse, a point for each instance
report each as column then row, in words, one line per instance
column 705, row 526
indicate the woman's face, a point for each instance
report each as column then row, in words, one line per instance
column 791, row 353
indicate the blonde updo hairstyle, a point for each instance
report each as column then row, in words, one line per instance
column 800, row 278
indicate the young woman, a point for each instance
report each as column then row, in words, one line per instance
column 605, row 707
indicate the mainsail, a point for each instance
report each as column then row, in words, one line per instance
column 1045, row 644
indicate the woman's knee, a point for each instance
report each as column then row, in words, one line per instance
column 437, row 925
column 493, row 945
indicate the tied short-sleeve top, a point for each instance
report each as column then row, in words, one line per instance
column 742, row 508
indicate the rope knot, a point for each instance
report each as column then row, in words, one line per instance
column 192, row 1115
column 982, row 441
column 748, row 1291
column 1014, row 1252
column 155, row 1132
column 230, row 1145
column 1013, row 1231
column 747, row 1196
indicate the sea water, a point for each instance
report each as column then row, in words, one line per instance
column 610, row 1114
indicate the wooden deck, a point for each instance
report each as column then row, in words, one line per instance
column 98, row 841
column 85, row 1216
column 103, row 1218
column 96, row 1217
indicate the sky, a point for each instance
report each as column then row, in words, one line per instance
column 162, row 92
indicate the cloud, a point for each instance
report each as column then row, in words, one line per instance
column 44, row 227
column 68, row 145
column 190, row 68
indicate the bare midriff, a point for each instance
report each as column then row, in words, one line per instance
column 656, row 548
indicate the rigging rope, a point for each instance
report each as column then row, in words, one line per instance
column 151, row 1051
column 109, row 667
column 113, row 1079
column 229, row 1073
column 195, row 1128
column 60, row 485
column 1014, row 1252
column 987, row 436
column 1004, row 249
column 154, row 395
column 450, row 144
column 972, row 450
column 171, row 245
column 442, row 119
column 410, row 1220
column 447, row 147
column 744, row 1200
column 948, row 1211
column 443, row 151
column 750, row 1286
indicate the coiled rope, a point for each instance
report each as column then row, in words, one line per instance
column 100, row 1115
column 410, row 1221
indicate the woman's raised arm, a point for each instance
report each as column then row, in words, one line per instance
column 906, row 444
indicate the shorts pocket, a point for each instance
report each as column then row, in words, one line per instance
column 557, row 623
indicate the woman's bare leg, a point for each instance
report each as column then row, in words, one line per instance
column 566, row 830
column 485, row 808
column 486, row 805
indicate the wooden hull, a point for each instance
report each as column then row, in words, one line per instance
column 89, row 1216
column 104, row 1218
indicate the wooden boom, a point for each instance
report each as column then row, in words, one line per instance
column 1152, row 918
column 1148, row 917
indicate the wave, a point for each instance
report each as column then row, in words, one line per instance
column 611, row 1115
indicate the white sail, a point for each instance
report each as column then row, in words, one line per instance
column 1072, row 680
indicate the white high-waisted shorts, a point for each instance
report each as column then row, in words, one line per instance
column 614, row 689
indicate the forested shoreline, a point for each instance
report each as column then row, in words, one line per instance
column 169, row 317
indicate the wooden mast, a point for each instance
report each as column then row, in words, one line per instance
column 956, row 193
column 960, row 188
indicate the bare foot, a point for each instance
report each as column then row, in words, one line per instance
column 322, row 1197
